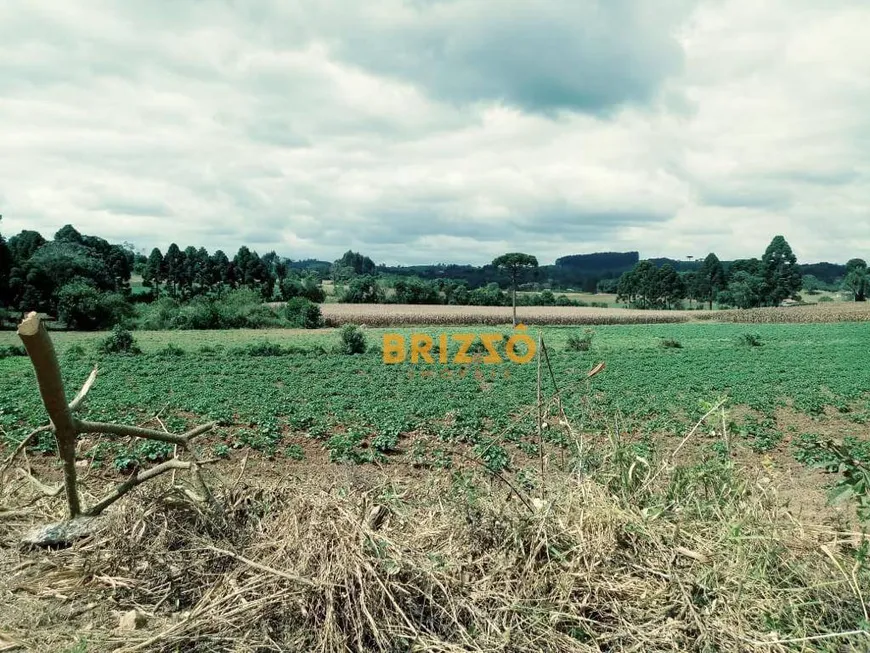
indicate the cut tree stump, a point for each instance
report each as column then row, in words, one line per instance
column 67, row 428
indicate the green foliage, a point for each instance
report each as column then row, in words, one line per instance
column 308, row 288
column 782, row 277
column 514, row 262
column 352, row 264
column 415, row 291
column 352, row 340
column 494, row 456
column 120, row 341
column 749, row 340
column 302, row 313
column 857, row 280
column 709, row 280
column 363, row 290
column 170, row 351
column 670, row 343
column 649, row 287
column 348, row 448
column 855, row 476
column 577, row 342
column 807, row 366
column 239, row 309
column 7, row 351
column 763, row 435
column 294, row 452
column 264, row 348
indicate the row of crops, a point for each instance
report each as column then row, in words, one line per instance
column 272, row 398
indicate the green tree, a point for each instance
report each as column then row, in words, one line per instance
column 68, row 234
column 81, row 306
column 24, row 245
column 5, row 271
column 363, row 290
column 53, row 266
column 857, row 280
column 416, row 291
column 221, row 269
column 154, row 272
column 174, row 264
column 710, row 279
column 515, row 263
column 745, row 290
column 782, row 276
column 670, row 289
column 352, row 264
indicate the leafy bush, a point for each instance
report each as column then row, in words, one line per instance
column 363, row 290
column 576, row 342
column 670, row 343
column 12, row 350
column 302, row 313
column 120, row 341
column 171, row 351
column 238, row 309
column 353, row 340
column 750, row 340
column 307, row 288
column 82, row 306
column 74, row 352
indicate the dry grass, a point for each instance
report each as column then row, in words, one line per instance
column 814, row 313
column 376, row 315
column 381, row 315
column 300, row 568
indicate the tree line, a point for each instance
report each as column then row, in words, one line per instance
column 744, row 283
column 85, row 281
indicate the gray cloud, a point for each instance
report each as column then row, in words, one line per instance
column 440, row 130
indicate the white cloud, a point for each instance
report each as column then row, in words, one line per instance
column 441, row 130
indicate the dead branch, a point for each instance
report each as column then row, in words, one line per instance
column 21, row 446
column 86, row 388
column 133, row 481
column 42, row 487
column 67, row 428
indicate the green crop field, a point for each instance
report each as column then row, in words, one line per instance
column 385, row 490
column 299, row 393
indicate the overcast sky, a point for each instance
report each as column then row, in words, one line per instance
column 440, row 130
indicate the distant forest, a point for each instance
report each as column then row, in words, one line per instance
column 86, row 281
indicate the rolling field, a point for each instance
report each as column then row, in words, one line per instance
column 374, row 507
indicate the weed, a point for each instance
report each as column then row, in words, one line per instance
column 170, row 351
column 352, row 340
column 576, row 342
column 385, row 442
column 763, row 435
column 494, row 456
column 120, row 341
column 670, row 343
column 294, row 452
column 749, row 340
